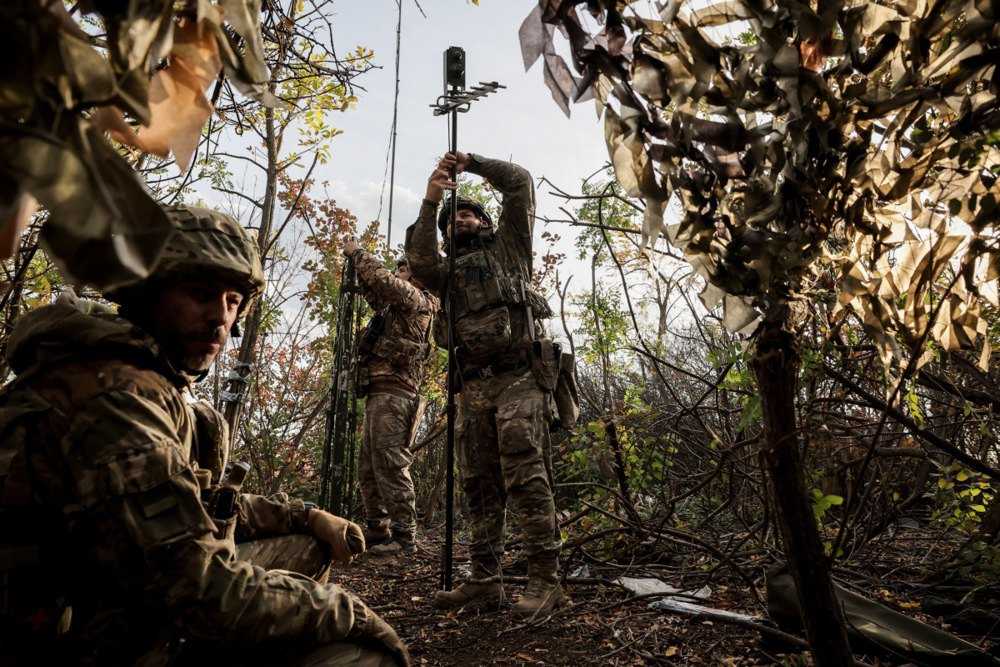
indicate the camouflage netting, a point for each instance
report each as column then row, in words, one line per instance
column 807, row 143
column 60, row 94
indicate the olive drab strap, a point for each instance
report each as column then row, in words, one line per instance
column 529, row 315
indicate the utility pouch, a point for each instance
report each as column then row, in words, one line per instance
column 225, row 529
column 211, row 443
column 492, row 290
column 472, row 299
column 485, row 334
column 545, row 363
column 567, row 397
column 225, row 505
column 399, row 352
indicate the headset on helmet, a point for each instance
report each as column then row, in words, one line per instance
column 205, row 243
column 444, row 217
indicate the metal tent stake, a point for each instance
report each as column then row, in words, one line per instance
column 456, row 99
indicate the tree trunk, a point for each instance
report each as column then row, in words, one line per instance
column 775, row 364
column 251, row 329
column 611, row 434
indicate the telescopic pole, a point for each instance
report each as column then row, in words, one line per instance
column 449, row 503
column 455, row 100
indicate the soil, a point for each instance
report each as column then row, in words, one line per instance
column 601, row 626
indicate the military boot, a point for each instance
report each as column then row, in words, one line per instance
column 377, row 532
column 543, row 594
column 401, row 543
column 472, row 594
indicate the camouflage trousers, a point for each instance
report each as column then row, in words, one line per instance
column 503, row 452
column 334, row 654
column 384, row 464
column 303, row 554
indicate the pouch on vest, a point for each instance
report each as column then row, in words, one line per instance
column 567, row 397
column 211, row 439
column 399, row 352
column 484, row 334
column 545, row 363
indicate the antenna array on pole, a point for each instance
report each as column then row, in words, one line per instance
column 455, row 100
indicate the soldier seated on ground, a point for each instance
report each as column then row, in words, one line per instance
column 118, row 542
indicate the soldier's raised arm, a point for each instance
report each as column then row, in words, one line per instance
column 421, row 245
column 386, row 288
column 517, row 217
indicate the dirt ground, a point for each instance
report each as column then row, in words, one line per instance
column 601, row 627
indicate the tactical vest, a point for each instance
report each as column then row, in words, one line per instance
column 494, row 310
column 400, row 352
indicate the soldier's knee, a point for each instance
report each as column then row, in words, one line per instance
column 343, row 654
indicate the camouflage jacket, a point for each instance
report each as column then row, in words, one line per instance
column 493, row 272
column 98, row 474
column 399, row 354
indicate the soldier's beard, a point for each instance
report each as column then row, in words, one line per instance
column 193, row 352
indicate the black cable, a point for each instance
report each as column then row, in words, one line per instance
column 395, row 116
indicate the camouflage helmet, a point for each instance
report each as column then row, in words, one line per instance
column 444, row 217
column 205, row 242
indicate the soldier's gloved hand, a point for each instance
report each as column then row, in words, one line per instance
column 371, row 629
column 346, row 539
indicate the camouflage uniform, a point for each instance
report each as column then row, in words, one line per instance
column 270, row 532
column 109, row 555
column 504, row 415
column 393, row 361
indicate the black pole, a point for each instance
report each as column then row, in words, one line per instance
column 449, row 462
column 456, row 99
column 352, row 414
column 338, row 428
column 326, row 476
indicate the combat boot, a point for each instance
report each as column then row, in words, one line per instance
column 399, row 545
column 543, row 594
column 377, row 532
column 471, row 593
column 541, row 598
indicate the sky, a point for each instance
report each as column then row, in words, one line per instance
column 520, row 123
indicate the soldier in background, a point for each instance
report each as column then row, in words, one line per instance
column 508, row 374
column 392, row 359
column 118, row 542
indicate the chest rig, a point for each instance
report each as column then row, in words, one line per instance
column 494, row 308
column 383, row 339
